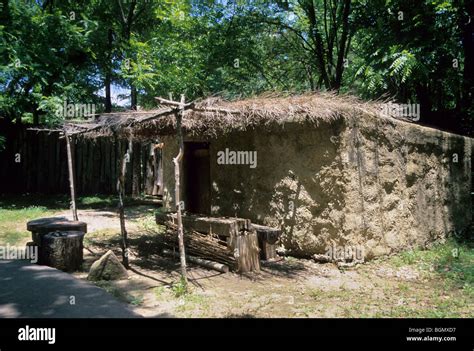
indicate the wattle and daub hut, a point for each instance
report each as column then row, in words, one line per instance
column 329, row 171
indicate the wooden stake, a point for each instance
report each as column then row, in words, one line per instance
column 71, row 177
column 177, row 163
column 121, row 194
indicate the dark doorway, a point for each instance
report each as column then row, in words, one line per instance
column 197, row 178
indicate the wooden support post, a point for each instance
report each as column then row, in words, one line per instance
column 177, row 162
column 71, row 177
column 121, row 193
column 267, row 239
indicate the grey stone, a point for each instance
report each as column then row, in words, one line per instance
column 108, row 267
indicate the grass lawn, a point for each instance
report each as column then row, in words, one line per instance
column 13, row 223
column 16, row 211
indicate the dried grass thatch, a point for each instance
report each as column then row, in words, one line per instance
column 270, row 110
column 215, row 116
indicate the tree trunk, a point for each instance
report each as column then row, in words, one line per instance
column 177, row 162
column 133, row 97
column 467, row 104
column 108, row 98
column 108, row 72
column 309, row 9
column 342, row 45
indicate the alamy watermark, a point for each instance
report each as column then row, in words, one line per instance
column 73, row 111
column 37, row 334
column 401, row 111
column 229, row 157
column 349, row 253
column 19, row 253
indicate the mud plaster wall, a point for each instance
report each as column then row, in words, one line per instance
column 382, row 184
column 405, row 185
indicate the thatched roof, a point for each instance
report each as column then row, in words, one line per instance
column 215, row 116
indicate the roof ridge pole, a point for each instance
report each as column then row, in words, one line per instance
column 177, row 162
column 71, row 176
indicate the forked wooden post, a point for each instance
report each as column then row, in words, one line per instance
column 71, row 176
column 177, row 162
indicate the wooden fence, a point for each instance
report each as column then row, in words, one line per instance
column 36, row 162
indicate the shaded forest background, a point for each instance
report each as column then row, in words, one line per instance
column 81, row 51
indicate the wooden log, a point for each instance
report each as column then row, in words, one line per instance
column 136, row 170
column 57, row 174
column 102, row 164
column 62, row 250
column 228, row 227
column 42, row 226
column 150, row 168
column 241, row 238
column 158, row 170
column 40, row 163
column 320, row 258
column 267, row 251
column 52, row 163
column 84, row 155
column 202, row 246
column 246, row 252
column 113, row 165
column 201, row 262
column 96, row 165
column 267, row 239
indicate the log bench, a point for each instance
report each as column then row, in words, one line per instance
column 46, row 227
column 221, row 226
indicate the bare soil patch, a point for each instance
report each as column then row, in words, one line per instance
column 287, row 288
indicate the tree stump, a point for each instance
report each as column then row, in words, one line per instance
column 62, row 250
column 42, row 226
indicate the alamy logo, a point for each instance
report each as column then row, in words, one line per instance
column 229, row 157
column 37, row 334
column 19, row 253
column 75, row 110
column 407, row 111
column 345, row 253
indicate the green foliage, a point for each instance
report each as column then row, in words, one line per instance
column 43, row 60
column 52, row 52
column 453, row 261
column 180, row 288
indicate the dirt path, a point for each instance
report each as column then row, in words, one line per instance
column 107, row 218
column 287, row 288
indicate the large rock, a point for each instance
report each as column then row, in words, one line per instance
column 108, row 267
